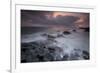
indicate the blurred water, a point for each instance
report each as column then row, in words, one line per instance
column 73, row 45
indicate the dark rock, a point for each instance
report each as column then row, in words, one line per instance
column 49, row 57
column 51, row 36
column 66, row 32
column 44, row 34
column 58, row 58
column 60, row 35
column 25, row 45
column 74, row 30
column 41, row 58
column 51, row 49
column 39, row 51
column 73, row 57
column 85, row 55
column 23, row 61
column 86, row 29
column 75, row 54
column 65, row 57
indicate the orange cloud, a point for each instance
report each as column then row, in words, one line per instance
column 55, row 14
column 83, row 18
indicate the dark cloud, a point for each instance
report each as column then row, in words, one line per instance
column 30, row 18
column 46, row 19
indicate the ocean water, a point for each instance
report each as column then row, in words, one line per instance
column 51, row 47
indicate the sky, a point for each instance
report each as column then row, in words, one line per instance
column 57, row 20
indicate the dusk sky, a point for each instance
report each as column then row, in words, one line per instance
column 54, row 19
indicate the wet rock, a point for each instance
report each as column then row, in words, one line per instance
column 23, row 45
column 66, row 32
column 75, row 54
column 86, row 29
column 56, row 51
column 85, row 55
column 40, row 51
column 49, row 57
column 73, row 57
column 58, row 58
column 51, row 49
column 44, row 34
column 23, row 61
column 65, row 57
column 74, row 30
column 40, row 58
